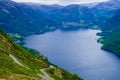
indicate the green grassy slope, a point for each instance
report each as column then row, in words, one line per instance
column 31, row 60
column 9, row 69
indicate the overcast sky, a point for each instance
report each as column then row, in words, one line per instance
column 61, row 2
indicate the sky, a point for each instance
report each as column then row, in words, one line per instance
column 61, row 2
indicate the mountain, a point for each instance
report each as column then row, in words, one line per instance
column 28, row 18
column 50, row 9
column 75, row 13
column 113, row 23
column 111, row 34
column 105, row 10
column 110, row 5
column 18, row 63
column 75, row 17
column 90, row 5
column 22, row 19
column 71, row 15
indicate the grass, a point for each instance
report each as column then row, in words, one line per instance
column 30, row 58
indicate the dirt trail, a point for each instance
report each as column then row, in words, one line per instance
column 45, row 76
column 15, row 60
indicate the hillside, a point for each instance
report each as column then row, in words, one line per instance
column 113, row 23
column 111, row 34
column 69, row 17
column 75, row 13
column 105, row 10
column 27, row 19
column 22, row 19
column 18, row 63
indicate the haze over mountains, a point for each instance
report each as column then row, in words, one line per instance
column 62, row 2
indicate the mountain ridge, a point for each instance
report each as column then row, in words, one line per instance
column 106, row 10
column 39, row 19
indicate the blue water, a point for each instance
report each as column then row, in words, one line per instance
column 77, row 52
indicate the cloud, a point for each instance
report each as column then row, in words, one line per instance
column 61, row 2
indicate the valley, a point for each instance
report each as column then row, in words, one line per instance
column 17, row 62
column 77, row 52
column 67, row 32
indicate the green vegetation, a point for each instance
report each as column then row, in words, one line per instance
column 60, row 74
column 20, row 20
column 9, row 69
column 31, row 60
column 111, row 41
column 24, row 20
column 76, row 25
column 111, row 34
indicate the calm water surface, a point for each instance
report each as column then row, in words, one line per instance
column 78, row 52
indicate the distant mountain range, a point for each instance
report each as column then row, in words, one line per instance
column 20, row 18
column 29, row 18
column 106, row 9
column 113, row 23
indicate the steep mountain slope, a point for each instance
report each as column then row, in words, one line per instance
column 75, row 17
column 26, row 19
column 75, row 13
column 111, row 34
column 114, row 22
column 104, row 11
column 20, row 18
column 17, row 63
column 49, row 9
column 11, row 70
column 69, row 17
